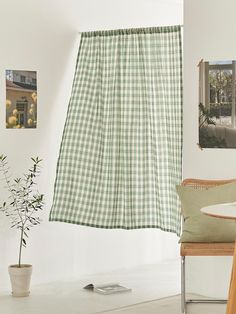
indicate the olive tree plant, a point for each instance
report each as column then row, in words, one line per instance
column 24, row 201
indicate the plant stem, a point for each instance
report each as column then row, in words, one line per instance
column 21, row 242
column 12, row 194
column 22, row 223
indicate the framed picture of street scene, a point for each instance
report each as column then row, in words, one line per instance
column 217, row 115
column 21, row 99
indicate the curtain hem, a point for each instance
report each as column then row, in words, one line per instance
column 113, row 227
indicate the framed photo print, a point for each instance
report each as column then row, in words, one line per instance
column 21, row 99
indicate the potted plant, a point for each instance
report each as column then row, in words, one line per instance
column 22, row 207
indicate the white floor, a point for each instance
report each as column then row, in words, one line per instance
column 170, row 305
column 147, row 282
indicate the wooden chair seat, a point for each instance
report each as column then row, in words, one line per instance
column 207, row 249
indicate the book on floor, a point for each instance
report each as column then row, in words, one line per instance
column 109, row 288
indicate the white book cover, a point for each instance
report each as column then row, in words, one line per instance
column 108, row 288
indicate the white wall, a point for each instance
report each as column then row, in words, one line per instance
column 42, row 35
column 209, row 31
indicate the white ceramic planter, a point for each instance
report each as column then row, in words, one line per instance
column 20, row 279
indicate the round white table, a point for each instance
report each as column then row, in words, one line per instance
column 226, row 211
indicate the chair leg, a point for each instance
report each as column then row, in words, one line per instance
column 185, row 301
column 183, row 292
column 231, row 305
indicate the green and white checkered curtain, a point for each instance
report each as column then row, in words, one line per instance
column 120, row 155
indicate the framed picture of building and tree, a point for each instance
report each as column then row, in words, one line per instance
column 217, row 115
column 21, row 99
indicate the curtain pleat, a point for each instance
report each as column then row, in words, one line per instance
column 121, row 153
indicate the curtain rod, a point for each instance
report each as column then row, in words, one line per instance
column 144, row 27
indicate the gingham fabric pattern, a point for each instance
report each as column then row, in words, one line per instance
column 120, row 156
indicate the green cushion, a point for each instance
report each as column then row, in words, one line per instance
column 198, row 227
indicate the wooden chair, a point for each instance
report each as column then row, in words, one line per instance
column 201, row 249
